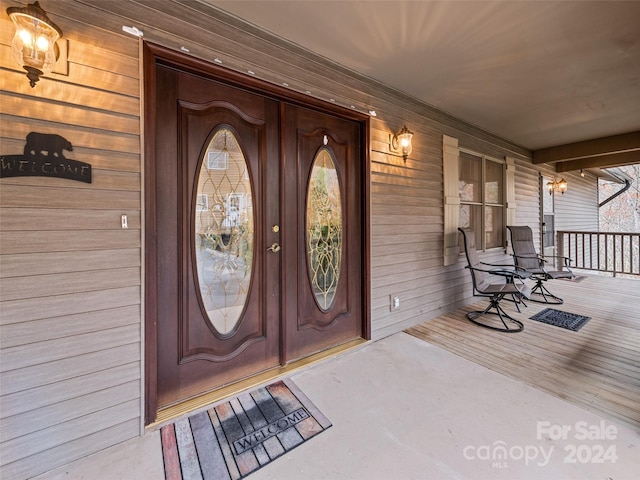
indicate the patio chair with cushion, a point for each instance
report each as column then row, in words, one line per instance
column 495, row 282
column 526, row 258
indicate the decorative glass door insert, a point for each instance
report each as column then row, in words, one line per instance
column 224, row 233
column 324, row 228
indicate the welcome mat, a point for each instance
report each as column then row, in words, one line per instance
column 558, row 318
column 235, row 438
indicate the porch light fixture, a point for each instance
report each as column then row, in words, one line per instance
column 34, row 43
column 402, row 142
column 557, row 186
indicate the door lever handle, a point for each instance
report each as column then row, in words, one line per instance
column 275, row 247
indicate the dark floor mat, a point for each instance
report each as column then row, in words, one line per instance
column 558, row 318
column 236, row 438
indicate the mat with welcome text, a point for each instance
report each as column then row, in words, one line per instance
column 235, row 438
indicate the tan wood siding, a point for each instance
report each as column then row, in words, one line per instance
column 59, row 262
column 578, row 208
column 42, row 374
column 31, row 309
column 32, row 444
column 22, row 333
column 406, row 198
column 528, row 208
column 50, row 415
column 50, row 394
column 407, row 222
column 69, row 274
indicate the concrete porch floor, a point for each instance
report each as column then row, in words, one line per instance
column 404, row 409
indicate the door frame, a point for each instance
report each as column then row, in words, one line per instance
column 154, row 55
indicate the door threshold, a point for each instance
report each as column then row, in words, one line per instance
column 172, row 412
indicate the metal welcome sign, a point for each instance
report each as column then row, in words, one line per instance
column 43, row 157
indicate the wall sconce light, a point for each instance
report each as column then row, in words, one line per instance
column 34, row 44
column 557, row 186
column 402, row 142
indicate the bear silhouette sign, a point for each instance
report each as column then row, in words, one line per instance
column 43, row 156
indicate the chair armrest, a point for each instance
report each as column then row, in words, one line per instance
column 534, row 255
column 567, row 260
column 486, row 270
column 509, row 267
column 501, row 272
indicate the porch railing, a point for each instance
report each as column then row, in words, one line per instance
column 611, row 252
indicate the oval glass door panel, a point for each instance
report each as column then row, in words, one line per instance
column 223, row 232
column 324, row 229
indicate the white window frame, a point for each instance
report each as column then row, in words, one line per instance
column 217, row 160
column 202, row 202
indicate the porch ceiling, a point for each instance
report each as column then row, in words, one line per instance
column 540, row 74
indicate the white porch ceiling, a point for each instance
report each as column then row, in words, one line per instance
column 539, row 74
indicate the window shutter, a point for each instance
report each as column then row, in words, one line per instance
column 450, row 155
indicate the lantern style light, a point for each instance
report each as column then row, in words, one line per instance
column 402, row 142
column 34, row 43
column 557, row 186
column 562, row 186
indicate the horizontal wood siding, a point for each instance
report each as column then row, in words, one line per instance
column 406, row 198
column 578, row 209
column 407, row 223
column 528, row 198
column 70, row 276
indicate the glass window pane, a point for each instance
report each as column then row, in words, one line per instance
column 324, row 229
column 493, row 183
column 469, row 184
column 223, row 240
column 547, row 198
column 493, row 221
column 469, row 217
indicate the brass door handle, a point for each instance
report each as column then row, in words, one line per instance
column 275, row 247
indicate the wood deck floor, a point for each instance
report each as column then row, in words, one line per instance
column 597, row 368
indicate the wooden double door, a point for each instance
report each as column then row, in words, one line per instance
column 255, row 243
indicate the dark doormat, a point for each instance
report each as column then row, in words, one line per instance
column 235, row 438
column 558, row 318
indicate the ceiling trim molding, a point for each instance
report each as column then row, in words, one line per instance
column 589, row 149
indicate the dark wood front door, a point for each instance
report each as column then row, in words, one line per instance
column 255, row 243
column 217, row 191
column 323, row 238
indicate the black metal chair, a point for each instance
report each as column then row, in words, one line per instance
column 508, row 282
column 526, row 258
